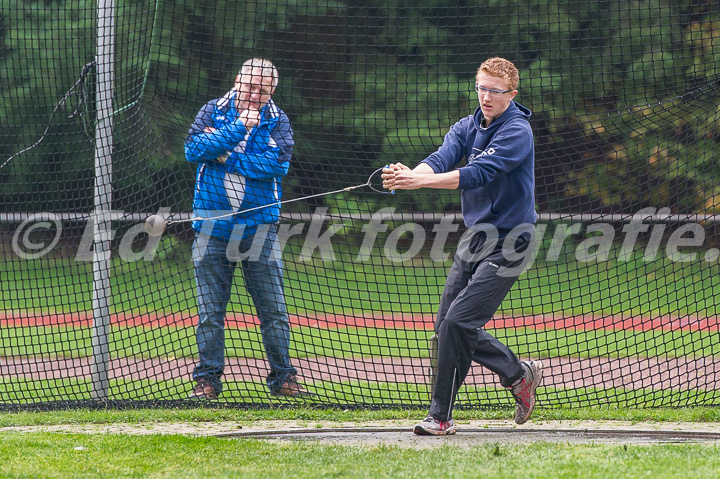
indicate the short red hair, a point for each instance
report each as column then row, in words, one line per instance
column 501, row 68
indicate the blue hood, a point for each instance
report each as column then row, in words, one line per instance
column 498, row 181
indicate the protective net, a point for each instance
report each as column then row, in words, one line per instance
column 96, row 101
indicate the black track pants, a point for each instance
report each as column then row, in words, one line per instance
column 473, row 292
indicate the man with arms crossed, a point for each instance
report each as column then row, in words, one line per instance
column 242, row 144
column 498, row 204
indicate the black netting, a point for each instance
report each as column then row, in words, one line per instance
column 95, row 105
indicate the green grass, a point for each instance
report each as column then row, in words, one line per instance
column 164, row 342
column 375, row 288
column 55, row 455
column 366, row 394
column 302, row 413
column 345, row 286
column 120, row 455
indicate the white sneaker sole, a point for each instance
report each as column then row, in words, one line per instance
column 421, row 431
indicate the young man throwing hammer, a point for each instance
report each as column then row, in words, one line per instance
column 498, row 207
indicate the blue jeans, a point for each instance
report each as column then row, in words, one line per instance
column 263, row 273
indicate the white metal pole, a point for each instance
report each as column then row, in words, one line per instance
column 102, row 232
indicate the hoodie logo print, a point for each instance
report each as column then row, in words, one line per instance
column 489, row 151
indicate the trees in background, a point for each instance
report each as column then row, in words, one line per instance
column 624, row 95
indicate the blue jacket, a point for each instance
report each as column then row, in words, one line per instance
column 498, row 181
column 238, row 170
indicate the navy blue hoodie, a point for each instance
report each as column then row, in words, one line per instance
column 498, row 181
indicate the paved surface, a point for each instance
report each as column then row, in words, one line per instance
column 475, row 433
column 399, row 432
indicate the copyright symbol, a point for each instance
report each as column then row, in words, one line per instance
column 22, row 242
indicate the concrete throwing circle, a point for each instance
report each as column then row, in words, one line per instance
column 469, row 437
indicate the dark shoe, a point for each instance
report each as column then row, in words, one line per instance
column 291, row 388
column 524, row 391
column 203, row 390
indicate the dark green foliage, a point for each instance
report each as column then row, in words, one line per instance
column 623, row 94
